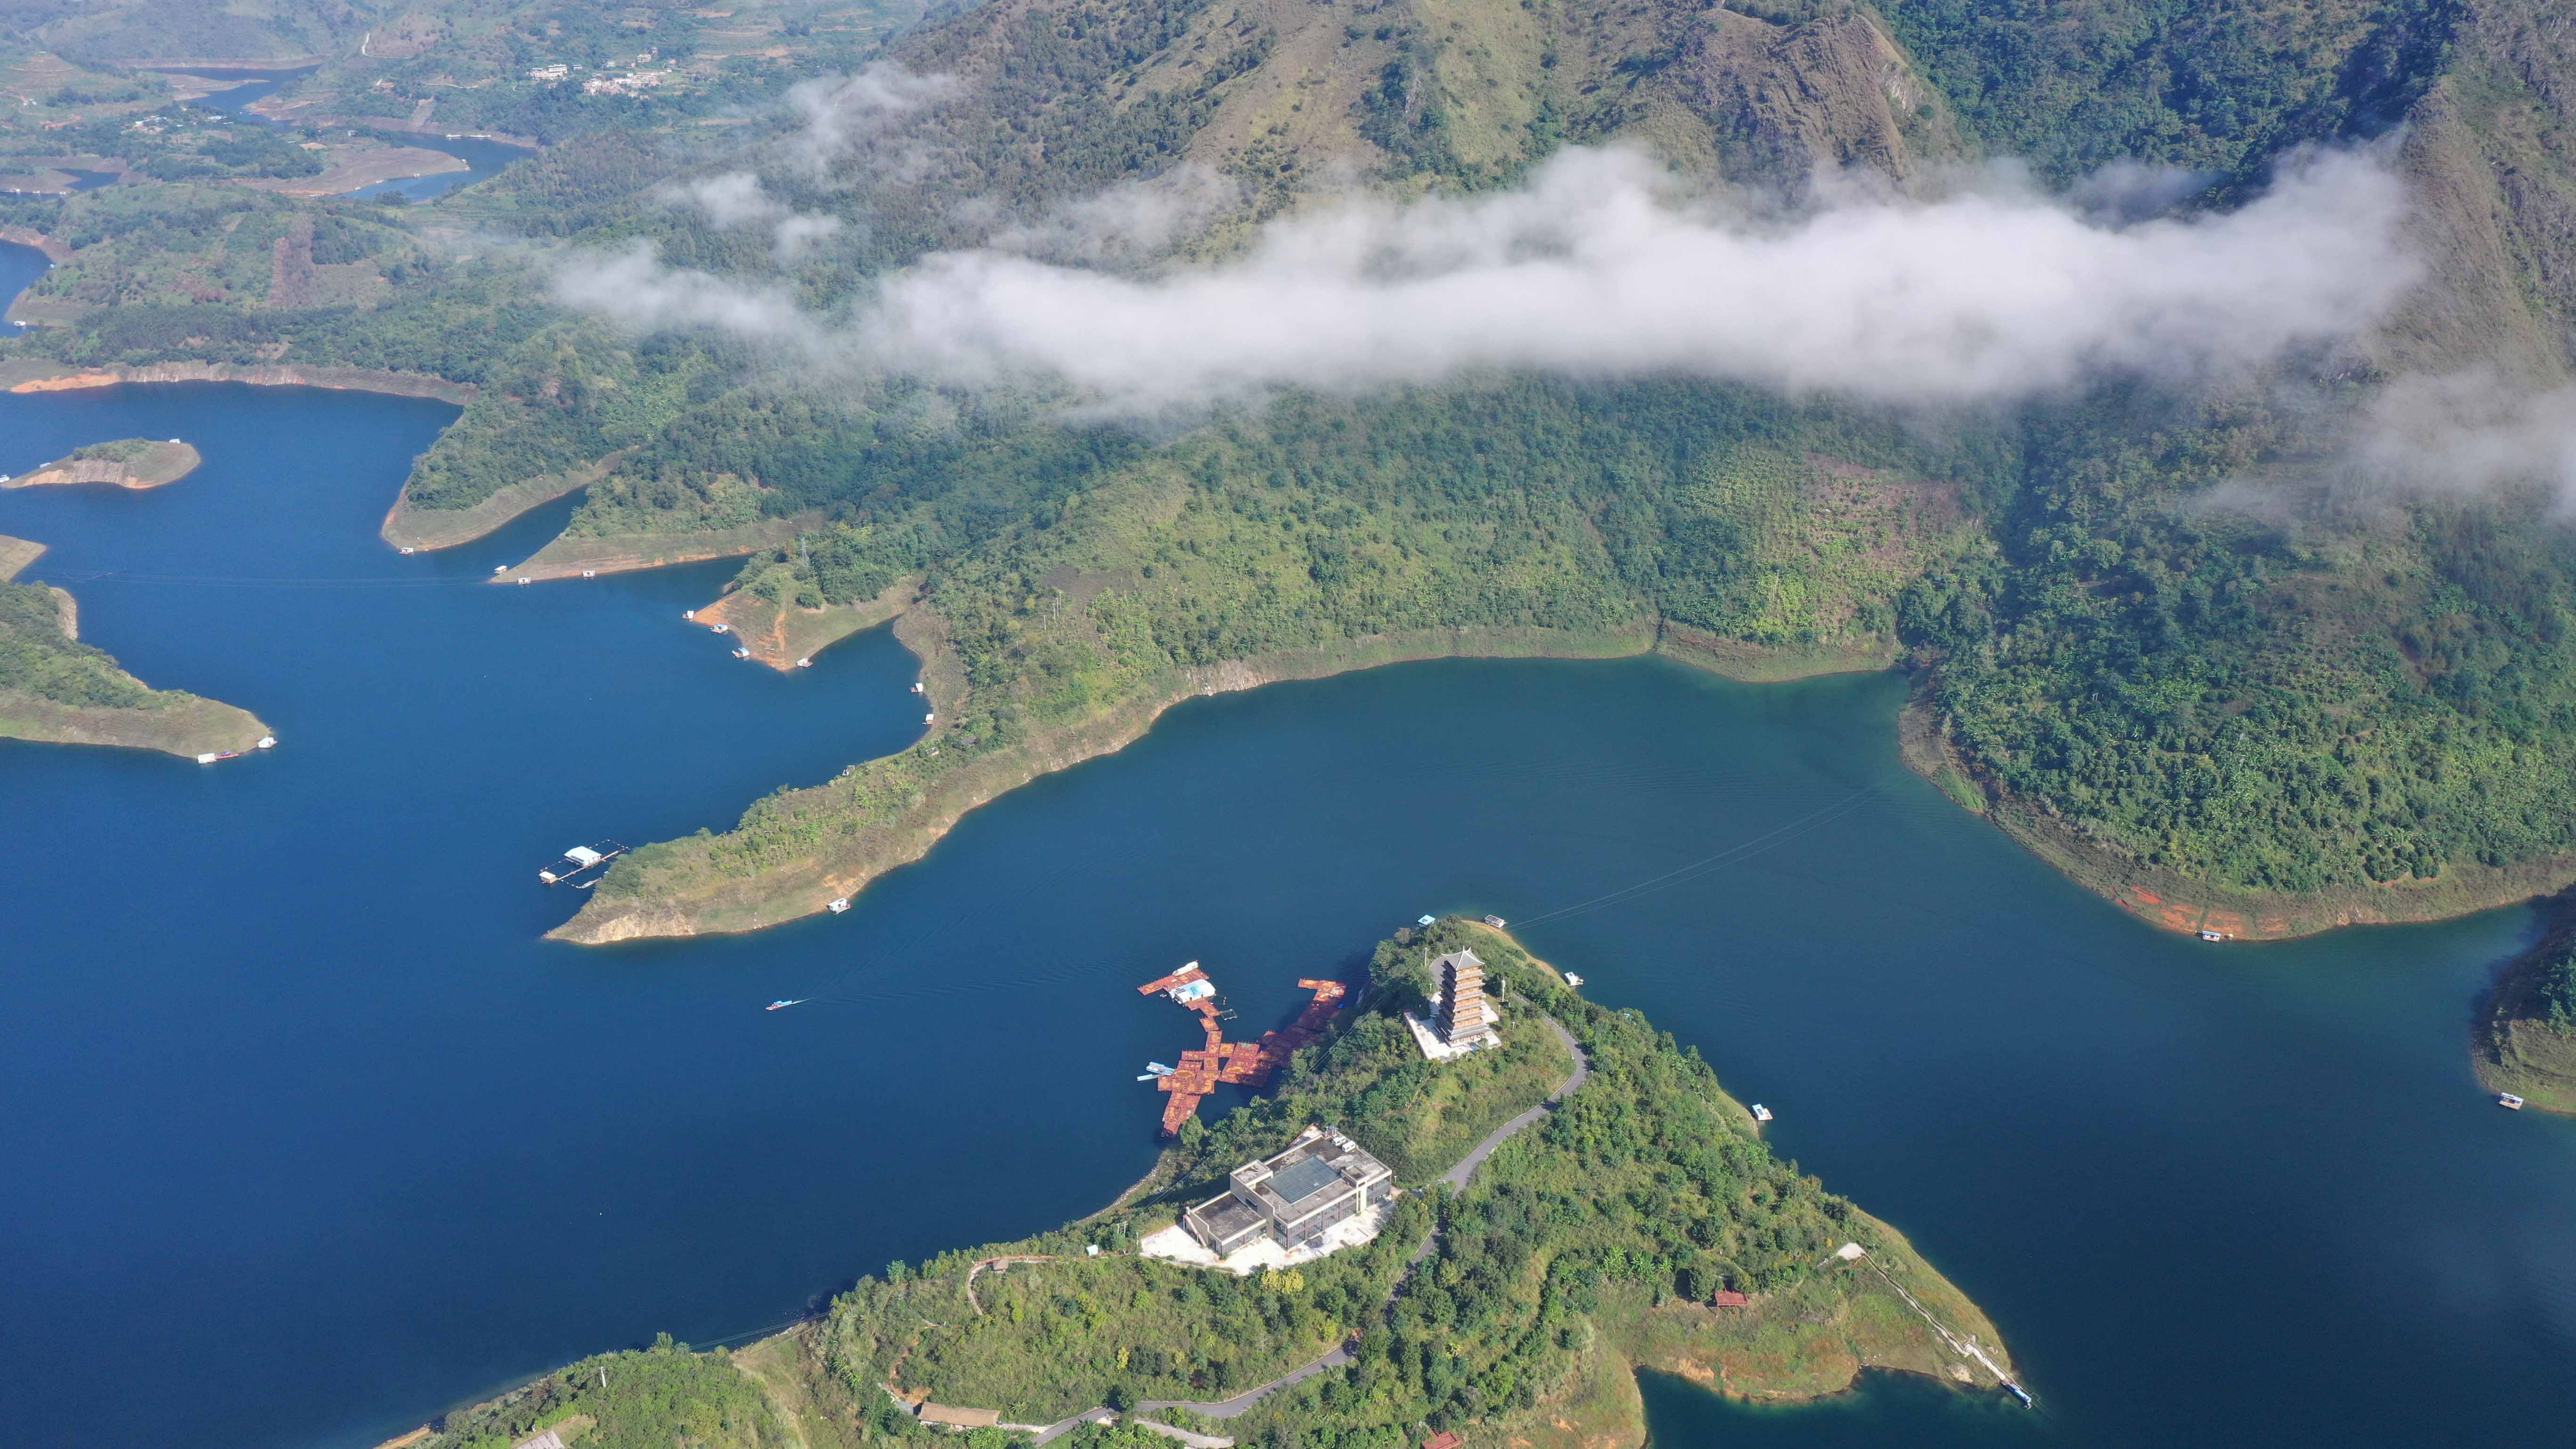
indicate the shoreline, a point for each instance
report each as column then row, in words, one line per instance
column 568, row 556
column 937, row 796
column 2175, row 903
column 34, row 376
column 1887, row 1309
column 779, row 635
column 2510, row 1048
column 407, row 525
column 156, row 465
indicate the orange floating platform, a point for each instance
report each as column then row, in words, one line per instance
column 1239, row 1063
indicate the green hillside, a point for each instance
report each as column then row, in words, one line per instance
column 1586, row 1247
column 2262, row 722
column 56, row 689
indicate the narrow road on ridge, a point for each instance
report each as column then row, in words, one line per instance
column 1457, row 1178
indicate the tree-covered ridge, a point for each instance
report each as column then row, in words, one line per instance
column 2074, row 85
column 1075, row 589
column 2227, row 706
column 1585, row 1247
column 37, row 658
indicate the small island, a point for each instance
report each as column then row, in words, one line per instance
column 56, row 690
column 1481, row 1246
column 125, row 463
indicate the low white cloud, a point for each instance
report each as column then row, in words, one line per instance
column 737, row 200
column 842, row 112
column 1129, row 223
column 2470, row 432
column 1594, row 269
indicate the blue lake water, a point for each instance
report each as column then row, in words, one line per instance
column 482, row 156
column 308, row 1135
column 20, row 266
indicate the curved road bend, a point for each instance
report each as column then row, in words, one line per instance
column 1456, row 1177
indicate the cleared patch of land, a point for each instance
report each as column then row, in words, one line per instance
column 350, row 168
column 124, row 463
column 779, row 631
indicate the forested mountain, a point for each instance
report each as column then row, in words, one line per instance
column 2178, row 632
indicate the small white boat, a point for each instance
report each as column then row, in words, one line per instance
column 1158, row 1069
column 1494, row 921
column 590, row 573
column 208, row 758
column 408, row 552
column 689, row 614
column 933, row 715
column 1761, row 1113
column 524, row 581
column 916, row 686
column 500, row 568
column 720, row 629
column 742, row 654
column 1573, row 980
column 805, row 663
column 1427, row 920
column 2213, row 935
column 838, row 905
column 1148, row 1077
column 266, row 742
column 783, row 1004
column 2508, row 1099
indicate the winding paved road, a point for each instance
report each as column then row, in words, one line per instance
column 1457, row 1178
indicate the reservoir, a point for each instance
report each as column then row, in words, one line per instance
column 20, row 266
column 310, row 1136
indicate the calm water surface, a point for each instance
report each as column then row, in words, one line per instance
column 483, row 158
column 20, row 266
column 308, row 1136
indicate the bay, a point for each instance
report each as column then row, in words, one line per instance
column 309, row 1135
column 20, row 266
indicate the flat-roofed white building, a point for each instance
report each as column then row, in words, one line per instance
column 1323, row 1179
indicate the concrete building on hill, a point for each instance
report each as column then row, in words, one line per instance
column 1321, row 1181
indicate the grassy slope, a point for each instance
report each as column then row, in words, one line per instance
column 1556, row 1273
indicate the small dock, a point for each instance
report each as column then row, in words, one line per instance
column 581, row 858
column 1234, row 1063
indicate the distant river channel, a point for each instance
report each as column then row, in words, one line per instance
column 305, row 1135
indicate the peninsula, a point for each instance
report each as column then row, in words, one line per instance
column 55, row 689
column 2525, row 1038
column 124, row 463
column 2315, row 724
column 1576, row 1203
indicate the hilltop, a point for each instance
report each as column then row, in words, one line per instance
column 1589, row 1245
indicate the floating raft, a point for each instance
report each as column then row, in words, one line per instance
column 1236, row 1063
